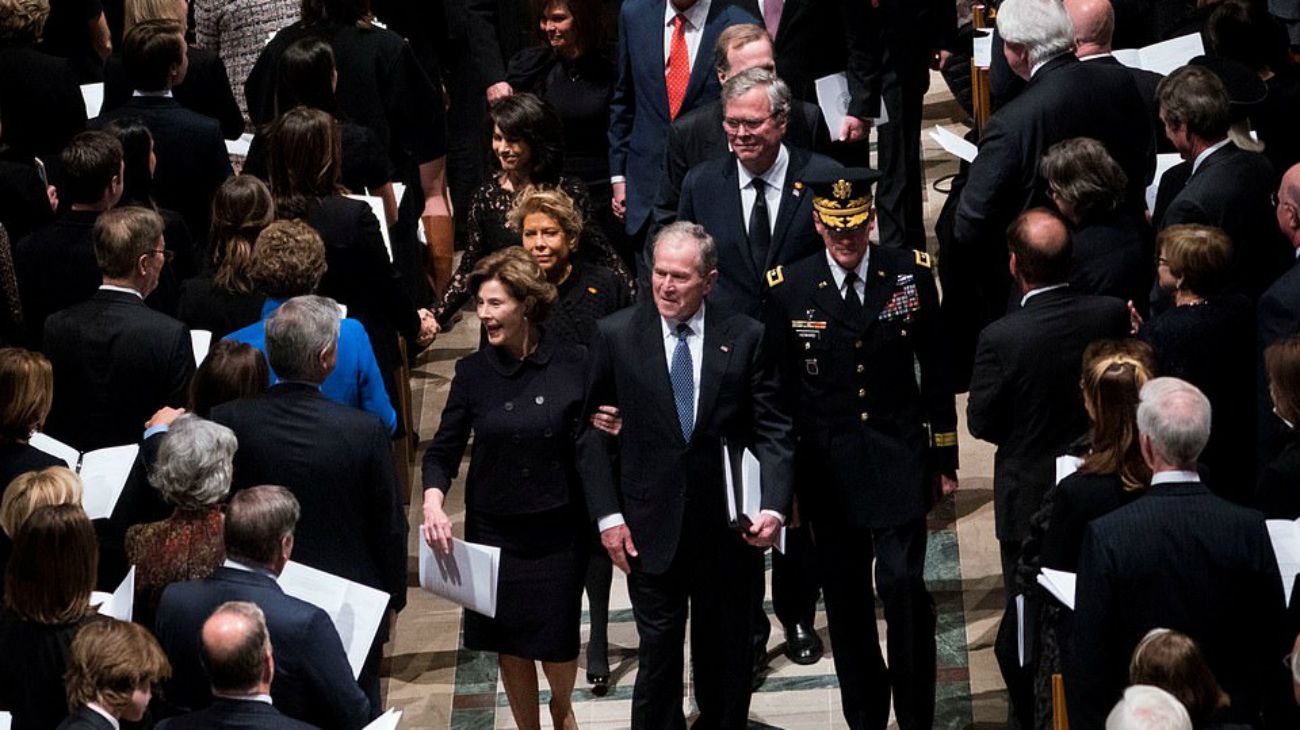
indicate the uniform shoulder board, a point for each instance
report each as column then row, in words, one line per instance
column 922, row 259
column 776, row 276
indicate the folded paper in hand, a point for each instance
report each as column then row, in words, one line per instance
column 386, row 721
column 376, row 204
column 954, row 143
column 744, row 479
column 1285, row 536
column 833, row 98
column 355, row 609
column 467, row 576
column 120, row 604
column 103, row 471
column 1060, row 584
column 1162, row 57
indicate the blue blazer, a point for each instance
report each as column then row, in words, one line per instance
column 313, row 681
column 638, row 112
column 711, row 198
column 356, row 380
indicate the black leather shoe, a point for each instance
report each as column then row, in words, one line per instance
column 599, row 684
column 802, row 644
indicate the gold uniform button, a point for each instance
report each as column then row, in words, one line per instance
column 862, row 392
column 864, row 417
column 861, row 367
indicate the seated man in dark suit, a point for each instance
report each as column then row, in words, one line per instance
column 1024, row 394
column 336, row 460
column 192, row 158
column 697, row 136
column 1178, row 557
column 237, row 652
column 116, row 361
column 313, row 681
column 1228, row 187
column 56, row 265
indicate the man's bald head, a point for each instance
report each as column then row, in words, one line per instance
column 1040, row 245
column 1094, row 25
column 1288, row 205
column 236, row 649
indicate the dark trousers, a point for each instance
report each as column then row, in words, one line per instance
column 898, row 195
column 845, row 554
column 794, row 586
column 600, row 571
column 712, row 567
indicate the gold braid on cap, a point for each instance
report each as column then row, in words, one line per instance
column 843, row 211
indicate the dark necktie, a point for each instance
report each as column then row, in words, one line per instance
column 852, row 302
column 760, row 228
column 682, row 375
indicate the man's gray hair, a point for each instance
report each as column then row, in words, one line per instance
column 687, row 231
column 1145, row 707
column 778, row 92
column 195, row 462
column 296, row 335
column 1175, row 415
column 1043, row 27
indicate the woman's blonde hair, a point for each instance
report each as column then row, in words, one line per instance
column 32, row 490
column 26, row 392
column 1199, row 254
column 23, row 20
column 1114, row 372
column 552, row 202
column 138, row 11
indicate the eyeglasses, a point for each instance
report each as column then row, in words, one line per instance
column 749, row 125
column 166, row 254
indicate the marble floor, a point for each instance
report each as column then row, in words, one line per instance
column 439, row 685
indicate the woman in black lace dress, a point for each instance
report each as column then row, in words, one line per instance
column 528, row 145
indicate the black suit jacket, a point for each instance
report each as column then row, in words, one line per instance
column 711, row 198
column 56, row 269
column 1178, row 557
column 41, row 106
column 1058, row 103
column 1146, row 82
column 1111, row 257
column 84, row 718
column 338, row 463
column 697, row 136
column 1232, row 189
column 658, row 472
column 497, row 30
column 1024, row 394
column 116, row 362
column 313, row 681
column 227, row 714
column 809, row 43
column 192, row 158
column 205, row 90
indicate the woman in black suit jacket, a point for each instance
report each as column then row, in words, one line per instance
column 27, row 380
column 1279, row 480
column 522, row 398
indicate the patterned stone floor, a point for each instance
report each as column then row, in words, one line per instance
column 440, row 685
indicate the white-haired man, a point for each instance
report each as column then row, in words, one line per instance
column 1182, row 558
column 1145, row 707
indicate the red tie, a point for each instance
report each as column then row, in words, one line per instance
column 679, row 67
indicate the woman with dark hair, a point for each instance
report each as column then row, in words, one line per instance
column 1110, row 253
column 528, row 148
column 139, row 163
column 305, row 152
column 307, row 78
column 1208, row 339
column 223, row 299
column 48, row 582
column 1279, row 480
column 26, row 394
column 231, row 371
column 521, row 398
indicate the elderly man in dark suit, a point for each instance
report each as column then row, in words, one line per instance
column 1024, row 393
column 1181, row 558
column 687, row 379
column 335, row 459
column 313, row 681
column 1227, row 187
column 664, row 71
column 116, row 361
column 238, row 654
column 1059, row 102
column 1094, row 28
column 1278, row 312
column 56, row 265
column 192, row 158
column 875, row 448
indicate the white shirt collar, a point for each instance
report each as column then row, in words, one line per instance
column 1174, row 476
column 244, row 698
column 695, row 16
column 95, row 707
column 124, row 289
column 1089, row 57
column 1207, row 152
column 775, row 175
column 1035, row 292
column 164, row 94
column 696, row 323
column 838, row 273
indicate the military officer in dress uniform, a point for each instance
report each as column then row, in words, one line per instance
column 875, row 446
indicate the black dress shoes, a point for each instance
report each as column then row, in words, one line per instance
column 802, row 644
column 599, row 684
